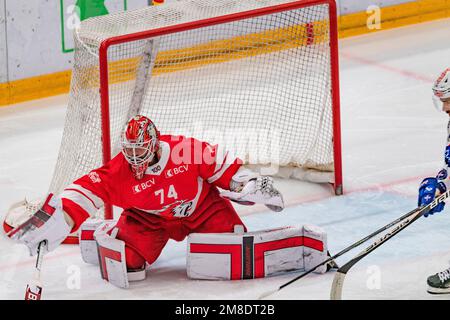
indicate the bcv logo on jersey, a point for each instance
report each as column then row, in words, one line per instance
column 144, row 185
column 174, row 171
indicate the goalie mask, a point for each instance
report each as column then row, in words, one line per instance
column 140, row 142
column 441, row 90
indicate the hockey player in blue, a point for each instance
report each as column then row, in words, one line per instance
column 433, row 186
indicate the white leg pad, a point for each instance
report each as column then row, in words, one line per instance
column 316, row 251
column 111, row 251
column 97, row 246
column 233, row 256
column 88, row 245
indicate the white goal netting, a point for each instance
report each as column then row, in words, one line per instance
column 259, row 85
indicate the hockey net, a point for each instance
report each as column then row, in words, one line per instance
column 259, row 77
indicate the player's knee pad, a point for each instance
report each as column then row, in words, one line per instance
column 110, row 253
column 234, row 256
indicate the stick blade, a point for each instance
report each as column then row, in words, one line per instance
column 267, row 294
column 336, row 287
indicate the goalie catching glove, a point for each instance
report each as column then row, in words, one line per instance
column 248, row 188
column 49, row 224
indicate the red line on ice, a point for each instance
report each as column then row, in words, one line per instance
column 405, row 73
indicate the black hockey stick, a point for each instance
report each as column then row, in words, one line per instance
column 351, row 247
column 34, row 287
column 337, row 255
column 338, row 281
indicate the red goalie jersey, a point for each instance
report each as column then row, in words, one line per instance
column 172, row 188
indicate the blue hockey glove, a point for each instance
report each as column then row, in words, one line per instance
column 447, row 156
column 427, row 192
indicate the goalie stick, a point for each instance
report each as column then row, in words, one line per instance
column 339, row 277
column 34, row 287
column 358, row 243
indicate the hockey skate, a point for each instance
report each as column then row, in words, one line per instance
column 439, row 283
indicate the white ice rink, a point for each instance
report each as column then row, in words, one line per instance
column 392, row 138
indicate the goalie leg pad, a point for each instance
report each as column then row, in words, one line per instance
column 88, row 245
column 316, row 251
column 112, row 258
column 234, row 256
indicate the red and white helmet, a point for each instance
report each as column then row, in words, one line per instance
column 140, row 142
column 441, row 89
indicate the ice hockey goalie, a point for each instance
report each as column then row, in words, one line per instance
column 168, row 188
